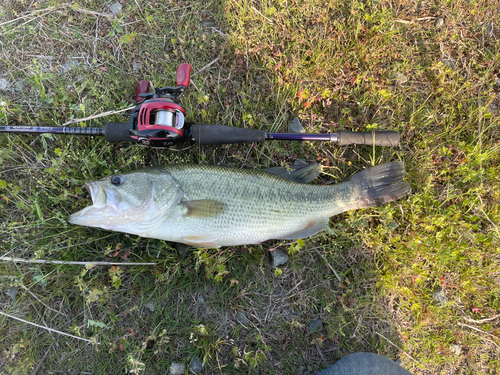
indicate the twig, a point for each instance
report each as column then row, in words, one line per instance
column 206, row 66
column 320, row 352
column 416, row 19
column 38, row 299
column 482, row 320
column 481, row 331
column 30, row 14
column 46, row 328
column 295, row 287
column 35, row 371
column 268, row 20
column 329, row 265
column 96, row 116
column 390, row 342
column 42, row 261
column 220, row 32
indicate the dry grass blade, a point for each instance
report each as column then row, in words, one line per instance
column 47, row 328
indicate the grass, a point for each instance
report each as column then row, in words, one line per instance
column 332, row 64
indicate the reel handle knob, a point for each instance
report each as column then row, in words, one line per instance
column 183, row 75
column 142, row 88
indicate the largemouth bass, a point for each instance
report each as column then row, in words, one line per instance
column 211, row 206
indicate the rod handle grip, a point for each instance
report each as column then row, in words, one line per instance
column 222, row 135
column 117, row 132
column 377, row 138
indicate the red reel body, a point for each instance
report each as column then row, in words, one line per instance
column 157, row 121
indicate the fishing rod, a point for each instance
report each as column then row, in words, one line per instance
column 158, row 121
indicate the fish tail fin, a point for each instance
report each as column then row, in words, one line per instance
column 380, row 184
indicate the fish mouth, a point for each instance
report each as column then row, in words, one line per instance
column 104, row 207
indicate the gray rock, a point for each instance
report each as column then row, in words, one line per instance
column 450, row 63
column 439, row 297
column 4, row 84
column 497, row 83
column 242, row 318
column 116, row 8
column 315, row 326
column 456, row 349
column 493, row 107
column 136, row 66
column 208, row 23
column 67, row 66
column 278, row 290
column 201, row 299
column 196, row 366
column 12, row 293
column 399, row 78
column 489, row 28
column 439, row 22
column 151, row 306
column 19, row 86
column 177, row 368
column 278, row 258
column 295, row 126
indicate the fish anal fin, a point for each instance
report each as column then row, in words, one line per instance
column 203, row 208
column 309, row 230
column 300, row 171
column 207, row 241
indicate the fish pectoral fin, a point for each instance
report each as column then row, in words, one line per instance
column 207, row 240
column 300, row 171
column 203, row 208
column 311, row 229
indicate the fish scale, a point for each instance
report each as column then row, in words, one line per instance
column 212, row 206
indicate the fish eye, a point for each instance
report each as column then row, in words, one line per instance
column 116, row 180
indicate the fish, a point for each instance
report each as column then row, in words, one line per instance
column 212, row 206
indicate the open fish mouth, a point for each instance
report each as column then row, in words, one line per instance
column 104, row 206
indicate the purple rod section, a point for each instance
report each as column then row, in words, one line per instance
column 301, row 137
column 52, row 129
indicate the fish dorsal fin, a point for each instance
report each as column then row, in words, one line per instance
column 300, row 171
column 311, row 229
column 203, row 208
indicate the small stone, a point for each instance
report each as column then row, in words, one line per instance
column 177, row 368
column 151, row 306
column 450, row 63
column 278, row 290
column 242, row 318
column 116, row 8
column 315, row 326
column 136, row 66
column 456, row 349
column 439, row 22
column 439, row 297
column 278, row 258
column 4, row 84
column 489, row 28
column 208, row 23
column 196, row 366
column 497, row 83
column 295, row 126
column 12, row 293
column 293, row 312
column 399, row 78
column 201, row 299
column 493, row 107
column 19, row 86
column 67, row 66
